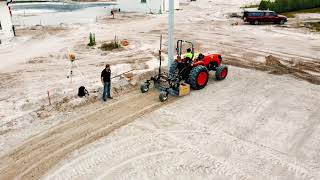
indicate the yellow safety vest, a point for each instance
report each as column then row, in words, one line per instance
column 195, row 56
column 188, row 55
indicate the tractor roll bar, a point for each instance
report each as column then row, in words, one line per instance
column 180, row 45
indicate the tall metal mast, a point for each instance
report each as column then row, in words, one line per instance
column 171, row 34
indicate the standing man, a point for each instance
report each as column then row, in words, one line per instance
column 106, row 81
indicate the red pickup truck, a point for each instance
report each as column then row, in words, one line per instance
column 258, row 17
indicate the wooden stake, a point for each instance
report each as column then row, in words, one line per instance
column 49, row 98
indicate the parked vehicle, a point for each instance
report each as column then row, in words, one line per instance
column 259, row 17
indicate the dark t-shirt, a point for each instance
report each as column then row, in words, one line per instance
column 106, row 75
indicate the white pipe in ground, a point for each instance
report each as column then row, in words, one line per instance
column 171, row 34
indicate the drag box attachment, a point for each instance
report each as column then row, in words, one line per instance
column 184, row 89
column 165, row 84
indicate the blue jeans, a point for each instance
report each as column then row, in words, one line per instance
column 106, row 90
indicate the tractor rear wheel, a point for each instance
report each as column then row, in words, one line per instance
column 221, row 73
column 198, row 77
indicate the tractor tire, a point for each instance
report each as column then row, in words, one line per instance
column 198, row 77
column 221, row 73
column 144, row 88
column 163, row 96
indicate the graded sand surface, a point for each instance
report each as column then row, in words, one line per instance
column 262, row 122
column 251, row 126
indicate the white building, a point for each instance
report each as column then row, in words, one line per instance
column 6, row 31
column 146, row 6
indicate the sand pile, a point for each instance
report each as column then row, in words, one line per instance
column 272, row 61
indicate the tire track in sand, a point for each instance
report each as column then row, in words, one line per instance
column 32, row 159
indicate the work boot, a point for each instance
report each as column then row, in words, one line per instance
column 110, row 97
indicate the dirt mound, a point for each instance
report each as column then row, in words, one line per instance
column 126, row 84
column 5, row 79
column 109, row 46
column 38, row 60
column 277, row 67
column 304, row 70
column 272, row 61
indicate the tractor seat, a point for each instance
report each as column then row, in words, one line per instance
column 200, row 57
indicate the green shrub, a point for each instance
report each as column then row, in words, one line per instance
column 288, row 5
column 264, row 5
column 92, row 39
column 292, row 14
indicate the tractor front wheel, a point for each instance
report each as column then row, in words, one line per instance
column 198, row 77
column 144, row 88
column 221, row 73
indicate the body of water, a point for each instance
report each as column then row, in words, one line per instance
column 58, row 6
column 31, row 14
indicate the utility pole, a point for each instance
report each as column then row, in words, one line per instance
column 171, row 34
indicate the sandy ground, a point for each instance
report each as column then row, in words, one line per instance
column 245, row 130
column 275, row 127
column 254, row 130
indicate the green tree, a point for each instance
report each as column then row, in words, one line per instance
column 264, row 5
column 288, row 5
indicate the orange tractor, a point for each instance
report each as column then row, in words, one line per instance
column 186, row 72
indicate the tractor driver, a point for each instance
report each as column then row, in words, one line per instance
column 189, row 55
